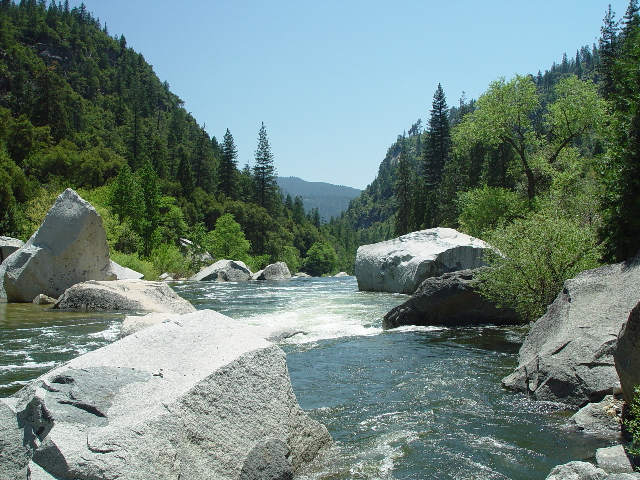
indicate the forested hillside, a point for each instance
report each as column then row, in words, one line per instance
column 330, row 200
column 545, row 167
column 81, row 109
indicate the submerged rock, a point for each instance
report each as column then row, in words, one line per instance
column 341, row 274
column 8, row 245
column 43, row 300
column 568, row 354
column 302, row 275
column 401, row 264
column 69, row 247
column 627, row 354
column 275, row 271
column 224, row 271
column 199, row 397
column 124, row 273
column 119, row 295
column 452, row 300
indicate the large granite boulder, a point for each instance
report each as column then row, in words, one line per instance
column 627, row 354
column 125, row 273
column 119, row 295
column 275, row 271
column 451, row 299
column 568, row 354
column 224, row 271
column 201, row 397
column 8, row 245
column 401, row 264
column 602, row 419
column 69, row 247
column 577, row 471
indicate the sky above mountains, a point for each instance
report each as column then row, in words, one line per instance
column 335, row 82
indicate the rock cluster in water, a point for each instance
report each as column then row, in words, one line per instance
column 198, row 396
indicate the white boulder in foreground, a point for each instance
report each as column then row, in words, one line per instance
column 119, row 295
column 69, row 247
column 224, row 271
column 401, row 264
column 199, row 397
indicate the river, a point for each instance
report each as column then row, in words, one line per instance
column 410, row 403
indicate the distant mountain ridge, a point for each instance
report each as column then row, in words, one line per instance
column 330, row 200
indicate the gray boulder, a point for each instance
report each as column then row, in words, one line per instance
column 202, row 396
column 452, row 300
column 627, row 354
column 8, row 245
column 302, row 275
column 43, row 300
column 124, row 273
column 613, row 460
column 123, row 295
column 568, row 354
column 602, row 419
column 577, row 471
column 224, row 271
column 275, row 271
column 69, row 247
column 341, row 274
column 401, row 264
column 134, row 323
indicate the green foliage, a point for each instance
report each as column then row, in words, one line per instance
column 291, row 256
column 632, row 423
column 320, row 260
column 134, row 262
column 534, row 256
column 258, row 262
column 227, row 240
column 169, row 258
column 487, row 208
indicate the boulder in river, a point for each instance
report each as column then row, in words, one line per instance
column 451, row 299
column 8, row 245
column 118, row 295
column 613, row 459
column 627, row 354
column 577, row 471
column 602, row 419
column 43, row 300
column 224, row 271
column 125, row 273
column 275, row 271
column 341, row 274
column 568, row 354
column 401, row 264
column 302, row 275
column 198, row 397
column 69, row 247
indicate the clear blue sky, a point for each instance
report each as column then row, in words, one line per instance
column 336, row 81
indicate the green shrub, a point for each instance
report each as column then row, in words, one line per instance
column 168, row 258
column 258, row 262
column 321, row 259
column 291, row 256
column 132, row 261
column 487, row 208
column 227, row 240
column 632, row 423
column 539, row 253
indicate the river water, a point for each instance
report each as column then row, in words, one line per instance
column 410, row 403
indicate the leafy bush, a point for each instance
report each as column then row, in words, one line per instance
column 258, row 262
column 168, row 258
column 132, row 261
column 487, row 208
column 321, row 259
column 227, row 240
column 632, row 423
column 539, row 253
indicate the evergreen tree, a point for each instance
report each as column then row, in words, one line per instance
column 402, row 191
column 264, row 173
column 148, row 180
column 185, row 173
column 608, row 46
column 228, row 166
column 631, row 19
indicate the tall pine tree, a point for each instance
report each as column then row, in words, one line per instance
column 264, row 173
column 402, row 191
column 436, row 154
column 228, row 166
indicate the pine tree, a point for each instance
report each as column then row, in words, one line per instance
column 228, row 166
column 402, row 191
column 264, row 173
column 436, row 154
column 631, row 19
column 608, row 44
column 185, row 172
